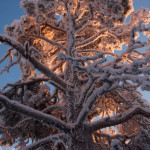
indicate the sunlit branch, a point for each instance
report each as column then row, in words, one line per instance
column 88, row 105
column 49, row 41
column 54, row 27
column 85, row 92
column 45, row 70
column 62, row 56
column 97, row 51
column 30, row 112
column 82, row 25
column 123, row 99
column 129, row 50
column 54, row 68
column 92, row 39
column 133, row 44
column 120, row 118
column 117, row 136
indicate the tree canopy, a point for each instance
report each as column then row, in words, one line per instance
column 85, row 96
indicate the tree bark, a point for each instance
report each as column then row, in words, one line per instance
column 82, row 139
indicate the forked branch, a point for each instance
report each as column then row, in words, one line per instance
column 38, row 65
column 30, row 112
column 120, row 118
column 44, row 141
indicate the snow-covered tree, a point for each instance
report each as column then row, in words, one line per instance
column 85, row 96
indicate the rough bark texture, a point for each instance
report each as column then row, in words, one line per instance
column 82, row 139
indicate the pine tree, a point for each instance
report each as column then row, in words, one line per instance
column 85, row 96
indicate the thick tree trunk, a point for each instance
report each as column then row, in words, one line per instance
column 82, row 140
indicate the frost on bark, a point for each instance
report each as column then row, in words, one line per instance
column 86, row 96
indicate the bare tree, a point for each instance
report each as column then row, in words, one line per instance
column 72, row 43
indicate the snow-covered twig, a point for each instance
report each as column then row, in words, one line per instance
column 30, row 81
column 53, row 107
column 50, row 41
column 38, row 65
column 44, row 141
column 97, row 51
column 88, row 105
column 54, row 27
column 84, row 92
column 120, row 118
column 6, row 55
column 123, row 99
column 91, row 39
column 58, row 86
column 62, row 56
column 10, row 65
column 117, row 136
column 2, row 110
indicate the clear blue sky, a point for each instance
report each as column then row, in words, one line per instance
column 10, row 10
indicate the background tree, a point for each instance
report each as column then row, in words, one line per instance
column 69, row 42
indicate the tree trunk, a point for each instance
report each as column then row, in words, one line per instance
column 82, row 139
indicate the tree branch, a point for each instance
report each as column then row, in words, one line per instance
column 30, row 81
column 54, row 27
column 84, row 92
column 38, row 65
column 120, row 118
column 44, row 141
column 30, row 112
column 88, row 105
column 6, row 55
column 53, row 107
column 123, row 136
column 92, row 38
column 49, row 41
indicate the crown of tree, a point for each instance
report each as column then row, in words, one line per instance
column 85, row 97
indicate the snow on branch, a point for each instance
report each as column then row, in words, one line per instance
column 18, row 125
column 85, row 92
column 50, row 41
column 92, row 38
column 53, row 107
column 45, row 70
column 62, row 56
column 89, row 69
column 56, row 139
column 7, row 54
column 47, row 24
column 97, row 51
column 29, row 81
column 123, row 99
column 88, row 105
column 112, row 77
column 120, row 118
column 2, row 110
column 117, row 136
column 11, row 62
column 30, row 112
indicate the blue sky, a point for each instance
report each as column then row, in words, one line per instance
column 10, row 10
